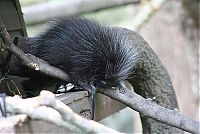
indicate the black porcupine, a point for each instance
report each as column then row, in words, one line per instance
column 95, row 55
column 91, row 54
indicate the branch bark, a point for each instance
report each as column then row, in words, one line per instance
column 147, row 107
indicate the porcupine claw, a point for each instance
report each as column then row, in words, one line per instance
column 92, row 92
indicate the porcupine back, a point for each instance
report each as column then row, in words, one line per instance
column 86, row 50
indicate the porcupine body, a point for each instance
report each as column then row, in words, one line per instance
column 91, row 54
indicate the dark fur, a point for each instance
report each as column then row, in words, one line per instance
column 89, row 52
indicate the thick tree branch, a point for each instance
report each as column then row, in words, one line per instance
column 47, row 107
column 150, row 109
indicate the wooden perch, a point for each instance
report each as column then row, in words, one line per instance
column 48, row 108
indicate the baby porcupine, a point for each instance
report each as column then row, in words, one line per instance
column 93, row 55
